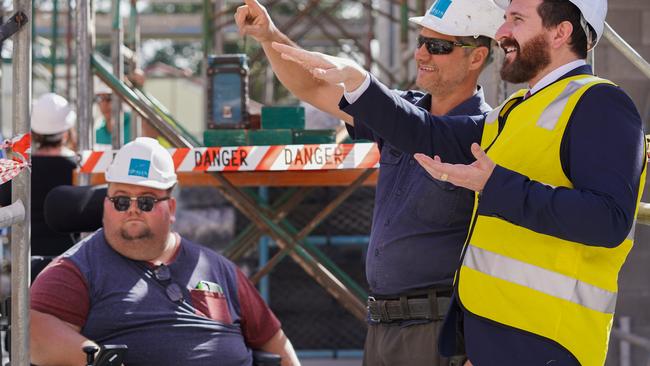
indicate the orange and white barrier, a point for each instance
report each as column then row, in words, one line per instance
column 256, row 158
column 18, row 150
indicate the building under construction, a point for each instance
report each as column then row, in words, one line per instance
column 262, row 175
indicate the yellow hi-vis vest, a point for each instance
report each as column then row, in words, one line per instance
column 560, row 290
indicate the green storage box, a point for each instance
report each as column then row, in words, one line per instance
column 314, row 136
column 283, row 117
column 225, row 138
column 269, row 137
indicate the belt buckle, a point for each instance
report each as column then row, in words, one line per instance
column 373, row 318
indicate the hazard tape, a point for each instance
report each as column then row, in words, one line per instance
column 9, row 169
column 18, row 150
column 255, row 158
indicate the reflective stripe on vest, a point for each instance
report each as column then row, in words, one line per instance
column 630, row 235
column 552, row 113
column 554, row 284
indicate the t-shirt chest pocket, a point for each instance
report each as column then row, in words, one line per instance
column 212, row 305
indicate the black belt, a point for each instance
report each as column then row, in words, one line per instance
column 431, row 307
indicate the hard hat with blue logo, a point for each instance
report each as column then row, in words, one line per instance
column 593, row 12
column 462, row 18
column 143, row 162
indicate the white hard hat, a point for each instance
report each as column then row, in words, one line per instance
column 462, row 18
column 52, row 114
column 142, row 162
column 101, row 88
column 594, row 12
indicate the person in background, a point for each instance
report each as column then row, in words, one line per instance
column 105, row 125
column 138, row 283
column 53, row 163
column 53, row 121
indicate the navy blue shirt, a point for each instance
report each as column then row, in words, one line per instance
column 602, row 152
column 419, row 223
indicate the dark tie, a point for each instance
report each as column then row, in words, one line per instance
column 527, row 94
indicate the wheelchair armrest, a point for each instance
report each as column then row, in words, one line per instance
column 261, row 358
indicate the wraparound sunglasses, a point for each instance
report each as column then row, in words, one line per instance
column 437, row 46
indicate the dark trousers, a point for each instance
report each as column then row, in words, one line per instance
column 393, row 344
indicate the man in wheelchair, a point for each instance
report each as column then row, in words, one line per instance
column 137, row 283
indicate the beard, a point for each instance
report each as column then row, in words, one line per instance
column 531, row 58
column 142, row 234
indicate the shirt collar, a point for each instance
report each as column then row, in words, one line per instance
column 469, row 107
column 556, row 74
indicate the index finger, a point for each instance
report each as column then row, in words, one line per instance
column 241, row 14
column 253, row 4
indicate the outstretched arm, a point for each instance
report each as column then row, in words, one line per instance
column 404, row 125
column 254, row 20
column 331, row 69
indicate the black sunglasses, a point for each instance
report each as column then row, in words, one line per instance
column 145, row 203
column 174, row 292
column 436, row 46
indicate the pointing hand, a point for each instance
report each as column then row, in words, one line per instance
column 252, row 19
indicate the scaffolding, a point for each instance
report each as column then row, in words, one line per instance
column 355, row 28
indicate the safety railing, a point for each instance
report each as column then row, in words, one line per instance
column 12, row 214
column 627, row 339
column 643, row 216
column 628, row 51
